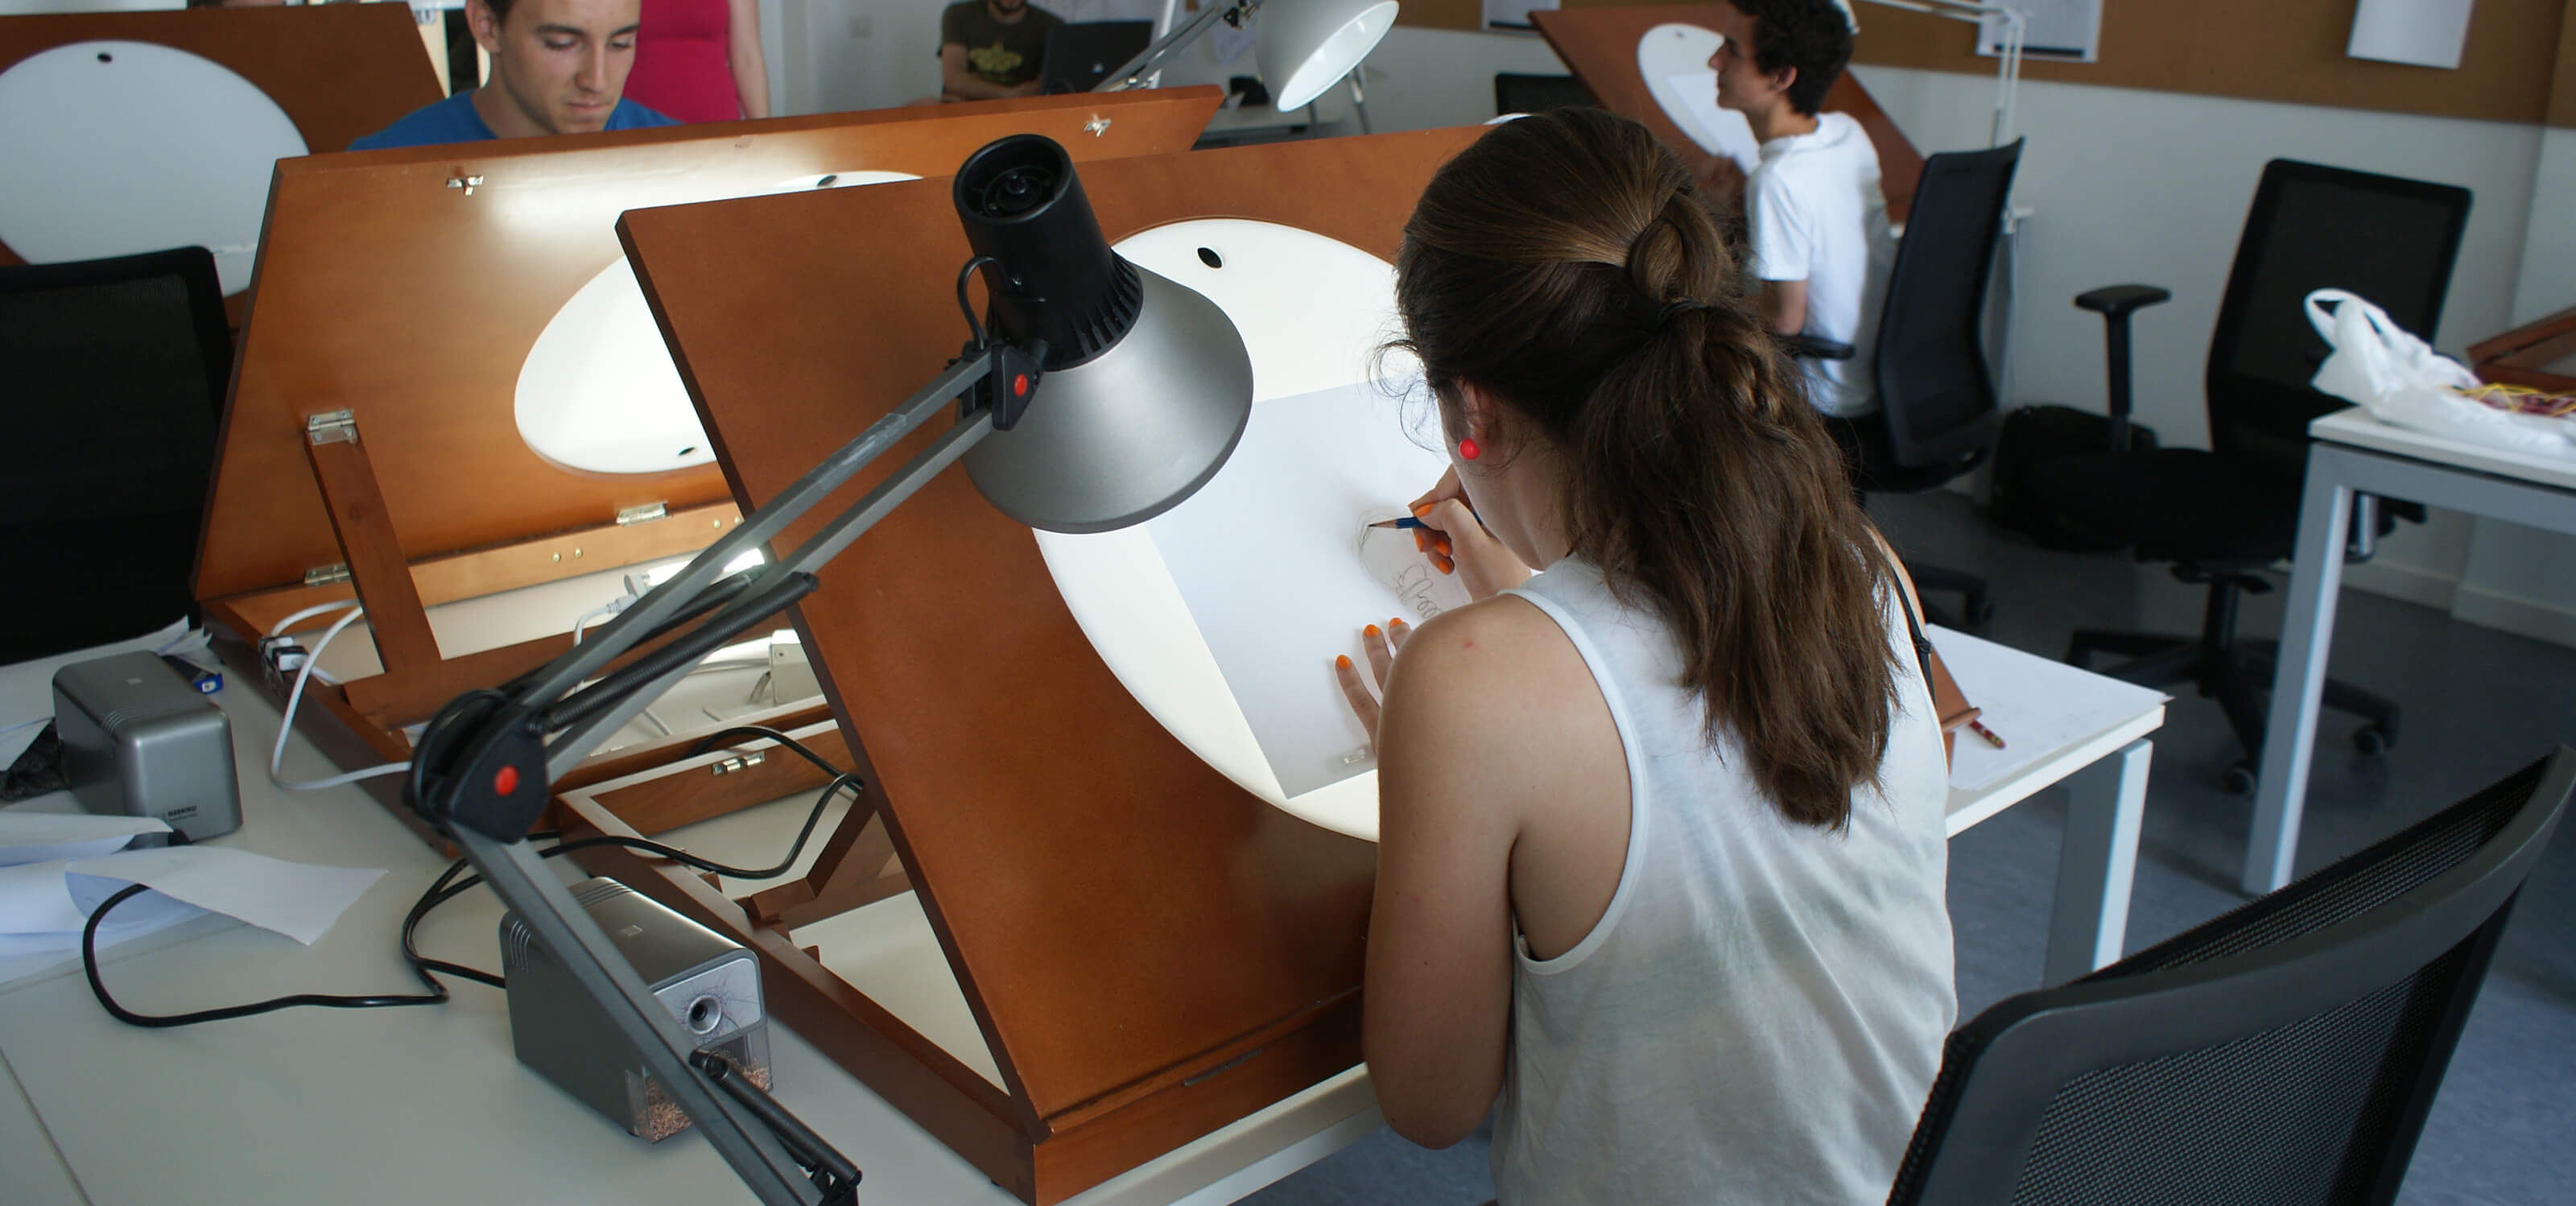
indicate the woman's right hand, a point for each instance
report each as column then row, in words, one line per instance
column 1458, row 543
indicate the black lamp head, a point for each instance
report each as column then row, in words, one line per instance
column 1056, row 279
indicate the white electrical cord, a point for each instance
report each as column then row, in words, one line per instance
column 295, row 697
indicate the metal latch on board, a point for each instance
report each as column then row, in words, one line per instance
column 738, row 762
column 331, row 427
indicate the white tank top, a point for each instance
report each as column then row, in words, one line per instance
column 1758, row 1015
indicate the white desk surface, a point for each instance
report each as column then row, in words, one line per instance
column 2355, row 426
column 429, row 1104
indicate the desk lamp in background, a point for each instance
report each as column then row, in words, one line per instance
column 1102, row 396
column 1305, row 46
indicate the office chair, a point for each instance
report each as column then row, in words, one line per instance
column 2222, row 515
column 117, row 374
column 1517, row 93
column 1936, row 415
column 2285, row 1053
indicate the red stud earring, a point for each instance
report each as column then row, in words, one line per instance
column 1467, row 450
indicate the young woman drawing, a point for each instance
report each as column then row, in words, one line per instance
column 1661, row 853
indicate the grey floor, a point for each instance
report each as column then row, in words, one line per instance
column 2479, row 703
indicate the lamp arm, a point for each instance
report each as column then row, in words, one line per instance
column 1132, row 73
column 471, row 785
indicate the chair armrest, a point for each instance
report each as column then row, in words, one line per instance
column 1808, row 347
column 2115, row 301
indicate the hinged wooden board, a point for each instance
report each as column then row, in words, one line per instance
column 340, row 71
column 1121, row 918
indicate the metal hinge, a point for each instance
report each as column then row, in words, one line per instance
column 739, row 762
column 641, row 513
column 468, row 183
column 331, row 427
column 1097, row 126
column 327, row 575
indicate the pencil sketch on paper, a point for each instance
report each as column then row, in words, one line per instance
column 1266, row 558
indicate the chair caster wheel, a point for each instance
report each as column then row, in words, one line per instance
column 2370, row 740
column 2239, row 779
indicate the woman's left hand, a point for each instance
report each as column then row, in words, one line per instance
column 1380, row 646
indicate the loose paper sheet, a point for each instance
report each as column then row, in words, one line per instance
column 1269, row 558
column 44, row 906
column 37, row 837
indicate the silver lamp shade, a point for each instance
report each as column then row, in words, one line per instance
column 1128, row 434
column 1306, row 45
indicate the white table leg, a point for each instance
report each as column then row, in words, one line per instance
column 2299, row 678
column 2096, row 863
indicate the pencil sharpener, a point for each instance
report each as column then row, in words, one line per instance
column 710, row 983
column 141, row 741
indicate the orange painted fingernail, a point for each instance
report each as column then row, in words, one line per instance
column 1421, row 543
column 1371, row 630
column 1397, row 622
column 1442, row 545
column 1342, row 661
column 1447, row 568
column 1421, row 509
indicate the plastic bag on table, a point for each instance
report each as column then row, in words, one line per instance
column 2403, row 382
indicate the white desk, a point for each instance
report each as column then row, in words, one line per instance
column 428, row 1104
column 2350, row 452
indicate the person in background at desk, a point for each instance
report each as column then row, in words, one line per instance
column 699, row 60
column 1661, row 849
column 1819, row 238
column 992, row 49
column 558, row 67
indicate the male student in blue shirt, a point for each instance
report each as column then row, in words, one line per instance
column 558, row 67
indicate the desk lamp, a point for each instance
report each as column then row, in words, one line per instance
column 1305, row 45
column 1102, row 396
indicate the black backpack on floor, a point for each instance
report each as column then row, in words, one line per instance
column 2033, row 436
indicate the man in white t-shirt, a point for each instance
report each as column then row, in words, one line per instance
column 1817, row 222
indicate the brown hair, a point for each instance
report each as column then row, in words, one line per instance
column 1564, row 264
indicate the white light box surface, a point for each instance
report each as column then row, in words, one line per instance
column 1674, row 59
column 598, row 391
column 117, row 148
column 1313, row 312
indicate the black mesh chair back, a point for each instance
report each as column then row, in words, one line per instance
column 2284, row 1054
column 1933, row 381
column 2388, row 239
column 117, row 370
column 1517, row 93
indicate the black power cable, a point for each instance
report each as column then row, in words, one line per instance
column 447, row 887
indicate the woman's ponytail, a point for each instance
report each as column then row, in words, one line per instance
column 1565, row 265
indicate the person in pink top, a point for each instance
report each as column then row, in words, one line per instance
column 699, row 60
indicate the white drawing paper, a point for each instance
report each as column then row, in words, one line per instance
column 1268, row 556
